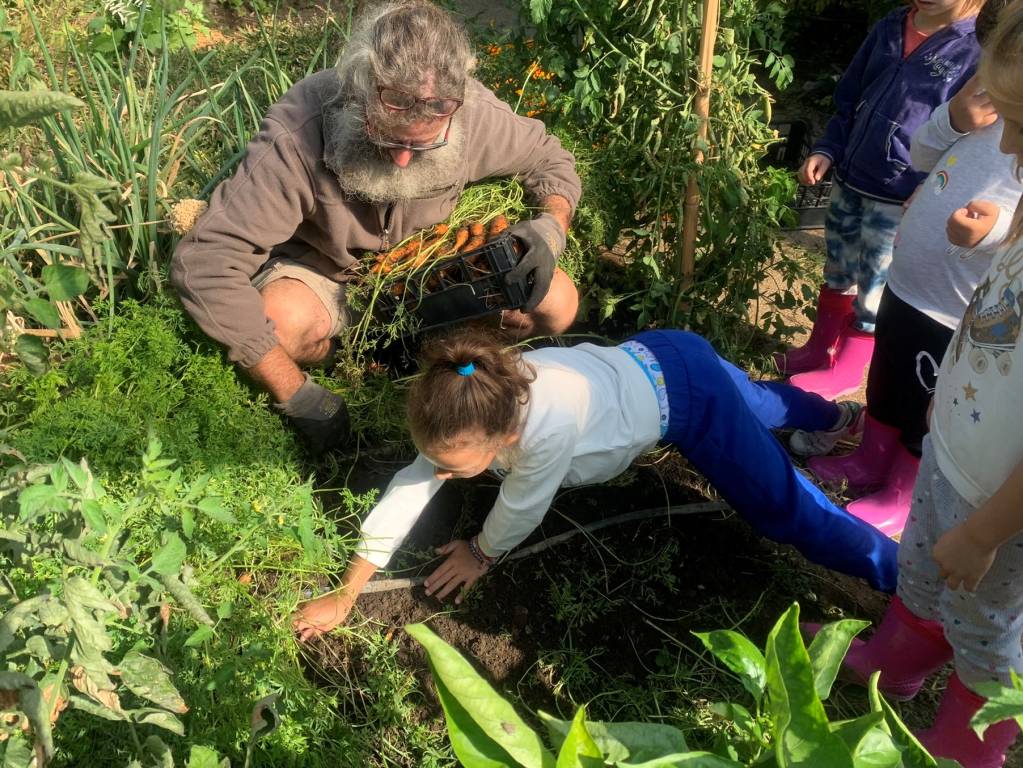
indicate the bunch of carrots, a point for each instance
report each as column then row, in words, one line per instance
column 416, row 251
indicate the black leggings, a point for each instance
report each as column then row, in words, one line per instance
column 906, row 341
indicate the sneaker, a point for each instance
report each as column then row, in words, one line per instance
column 850, row 422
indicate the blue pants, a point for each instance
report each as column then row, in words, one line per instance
column 860, row 236
column 721, row 422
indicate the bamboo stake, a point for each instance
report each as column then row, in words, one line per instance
column 701, row 104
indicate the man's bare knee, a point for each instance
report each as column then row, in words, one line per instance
column 301, row 321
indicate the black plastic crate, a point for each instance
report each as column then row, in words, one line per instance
column 811, row 204
column 463, row 287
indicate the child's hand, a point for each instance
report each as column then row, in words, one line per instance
column 321, row 615
column 971, row 108
column 813, row 169
column 460, row 569
column 968, row 226
column 963, row 559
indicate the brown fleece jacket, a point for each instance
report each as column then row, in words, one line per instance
column 285, row 200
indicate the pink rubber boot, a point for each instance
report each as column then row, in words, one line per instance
column 855, row 349
column 888, row 508
column 952, row 737
column 906, row 648
column 834, row 311
column 867, row 468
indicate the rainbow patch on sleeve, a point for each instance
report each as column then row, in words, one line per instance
column 940, row 181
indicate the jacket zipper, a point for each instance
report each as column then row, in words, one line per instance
column 384, row 214
column 891, row 81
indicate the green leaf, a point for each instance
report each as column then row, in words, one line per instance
column 204, row 757
column 214, row 508
column 43, row 312
column 160, row 719
column 740, row 656
column 1002, row 704
column 914, row 755
column 187, row 522
column 578, row 750
column 27, row 107
column 64, row 282
column 32, row 351
column 801, row 733
column 92, row 511
column 225, row 610
column 96, row 710
column 686, row 760
column 168, row 559
column 36, row 500
column 83, row 601
column 539, row 10
column 199, row 636
column 618, row 742
column 149, row 679
column 471, row 745
column 18, row 752
column 740, row 717
column 828, row 648
column 494, row 716
column 877, row 750
column 157, row 754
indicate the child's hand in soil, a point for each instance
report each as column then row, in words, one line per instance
column 460, row 569
column 814, row 168
column 968, row 226
column 321, row 615
column 963, row 558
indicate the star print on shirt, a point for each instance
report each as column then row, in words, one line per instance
column 975, row 415
column 952, row 160
column 970, row 391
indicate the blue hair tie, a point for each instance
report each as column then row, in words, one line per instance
column 466, row 370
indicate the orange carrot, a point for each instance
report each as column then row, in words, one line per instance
column 476, row 229
column 461, row 238
column 497, row 226
column 477, row 241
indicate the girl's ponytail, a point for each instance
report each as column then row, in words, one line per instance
column 471, row 381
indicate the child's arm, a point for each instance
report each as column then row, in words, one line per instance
column 383, row 531
column 525, row 496
column 964, row 113
column 966, row 552
column 847, row 96
column 327, row 611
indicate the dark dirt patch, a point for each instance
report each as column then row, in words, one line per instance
column 608, row 614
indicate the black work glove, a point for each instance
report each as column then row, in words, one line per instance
column 543, row 240
column 320, row 416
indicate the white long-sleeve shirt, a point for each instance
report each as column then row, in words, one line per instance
column 591, row 411
column 927, row 272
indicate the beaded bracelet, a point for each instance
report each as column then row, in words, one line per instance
column 474, row 548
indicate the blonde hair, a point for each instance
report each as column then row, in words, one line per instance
column 1001, row 72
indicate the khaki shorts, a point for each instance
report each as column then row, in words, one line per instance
column 330, row 292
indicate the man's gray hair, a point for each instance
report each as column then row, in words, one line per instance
column 405, row 45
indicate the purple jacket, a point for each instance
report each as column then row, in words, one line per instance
column 883, row 98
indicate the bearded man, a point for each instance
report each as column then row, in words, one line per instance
column 354, row 159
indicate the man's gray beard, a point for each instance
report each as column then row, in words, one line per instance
column 367, row 171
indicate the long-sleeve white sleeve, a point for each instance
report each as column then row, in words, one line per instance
column 528, row 490
column 386, row 527
column 932, row 139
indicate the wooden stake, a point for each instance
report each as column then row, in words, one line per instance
column 691, row 210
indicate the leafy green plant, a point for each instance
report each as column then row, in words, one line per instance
column 58, row 639
column 786, row 726
column 628, row 73
column 157, row 24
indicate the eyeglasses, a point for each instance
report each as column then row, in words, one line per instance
column 402, row 102
column 391, row 144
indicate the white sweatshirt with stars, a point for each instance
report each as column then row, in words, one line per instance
column 977, row 427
